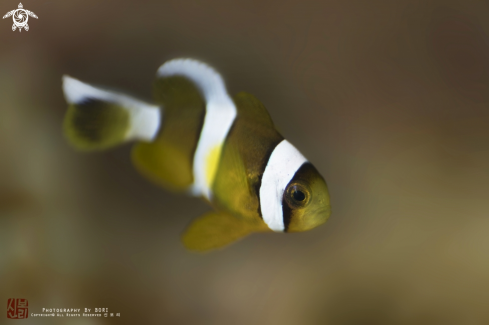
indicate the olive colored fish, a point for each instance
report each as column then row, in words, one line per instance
column 199, row 140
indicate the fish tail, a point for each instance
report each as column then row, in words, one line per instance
column 98, row 119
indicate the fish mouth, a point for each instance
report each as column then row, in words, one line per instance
column 325, row 212
column 320, row 216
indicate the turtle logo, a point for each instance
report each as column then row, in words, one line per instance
column 20, row 17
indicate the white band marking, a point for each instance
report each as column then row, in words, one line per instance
column 145, row 119
column 219, row 116
column 284, row 162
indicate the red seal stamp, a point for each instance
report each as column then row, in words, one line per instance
column 17, row 308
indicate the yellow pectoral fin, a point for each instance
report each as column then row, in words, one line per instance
column 214, row 230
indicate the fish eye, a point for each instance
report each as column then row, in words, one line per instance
column 297, row 195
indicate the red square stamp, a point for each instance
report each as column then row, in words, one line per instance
column 17, row 308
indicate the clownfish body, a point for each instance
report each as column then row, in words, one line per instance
column 197, row 139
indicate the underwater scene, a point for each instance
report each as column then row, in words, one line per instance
column 250, row 162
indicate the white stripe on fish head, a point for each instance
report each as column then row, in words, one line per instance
column 282, row 165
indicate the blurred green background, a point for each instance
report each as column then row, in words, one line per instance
column 389, row 100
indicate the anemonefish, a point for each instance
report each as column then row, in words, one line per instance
column 199, row 140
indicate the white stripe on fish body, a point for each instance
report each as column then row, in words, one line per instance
column 145, row 119
column 219, row 117
column 282, row 165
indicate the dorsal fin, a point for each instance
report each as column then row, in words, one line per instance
column 250, row 108
column 206, row 79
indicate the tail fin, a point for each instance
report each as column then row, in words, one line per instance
column 99, row 119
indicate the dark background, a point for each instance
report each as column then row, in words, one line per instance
column 389, row 100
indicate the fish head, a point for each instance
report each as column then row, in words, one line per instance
column 306, row 200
